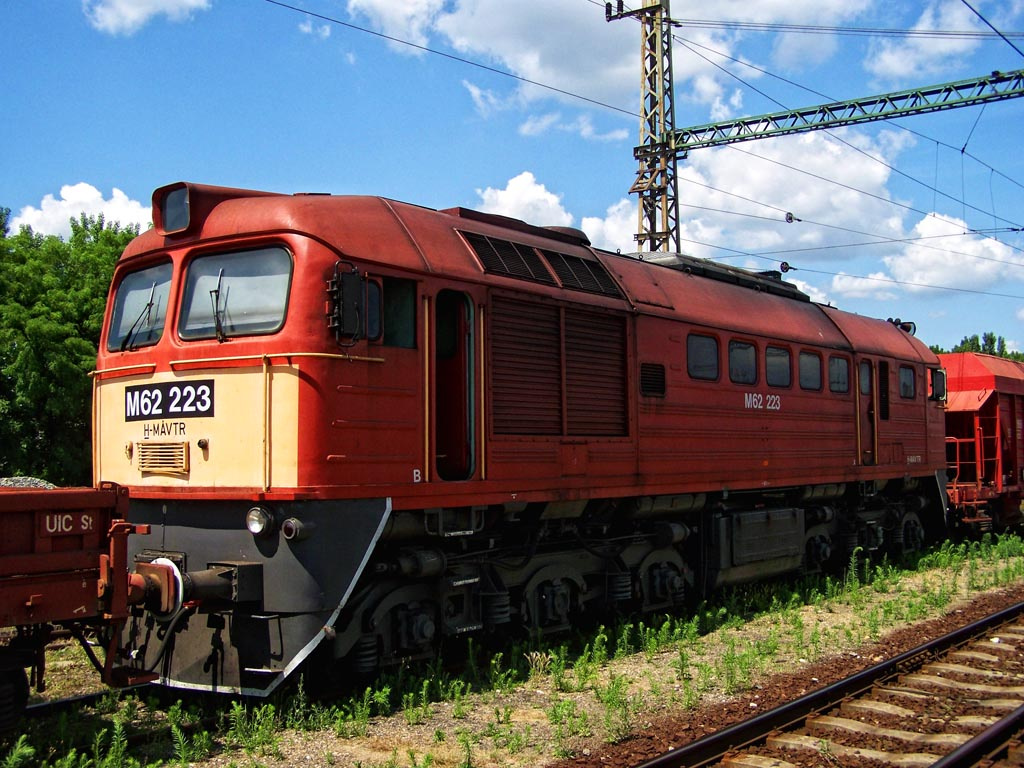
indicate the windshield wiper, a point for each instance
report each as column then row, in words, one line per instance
column 137, row 326
column 218, row 324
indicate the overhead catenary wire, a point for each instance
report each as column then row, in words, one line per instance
column 820, row 29
column 835, row 137
column 570, row 94
column 990, row 26
column 872, row 278
column 564, row 92
column 453, row 57
column 810, row 90
column 879, row 239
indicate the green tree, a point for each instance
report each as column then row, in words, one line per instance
column 987, row 343
column 52, row 297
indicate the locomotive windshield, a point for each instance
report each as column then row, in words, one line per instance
column 140, row 308
column 235, row 294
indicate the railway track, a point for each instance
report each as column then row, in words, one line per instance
column 955, row 701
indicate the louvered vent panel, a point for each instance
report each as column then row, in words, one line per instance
column 652, row 379
column 595, row 373
column 526, row 374
column 582, row 275
column 162, row 458
column 503, row 257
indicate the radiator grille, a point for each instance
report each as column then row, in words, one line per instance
column 162, row 458
column 582, row 275
column 557, row 372
column 503, row 257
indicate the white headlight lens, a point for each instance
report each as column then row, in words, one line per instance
column 257, row 520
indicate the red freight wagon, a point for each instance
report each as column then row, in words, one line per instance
column 64, row 561
column 359, row 426
column 985, row 438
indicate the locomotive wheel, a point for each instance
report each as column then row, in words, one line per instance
column 914, row 537
column 13, row 697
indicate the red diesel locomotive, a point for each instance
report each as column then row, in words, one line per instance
column 358, row 426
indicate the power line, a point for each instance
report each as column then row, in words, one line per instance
column 889, row 280
column 843, row 30
column 452, row 57
column 989, row 25
column 802, row 87
column 840, row 139
column 879, row 239
column 573, row 95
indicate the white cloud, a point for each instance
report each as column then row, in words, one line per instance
column 737, row 197
column 946, row 254
column 878, row 286
column 408, row 20
column 126, row 17
column 571, row 46
column 617, row 230
column 538, row 125
column 53, row 216
column 582, row 126
column 911, row 58
column 816, row 294
column 524, row 198
column 486, row 102
column 796, row 51
column 322, row 31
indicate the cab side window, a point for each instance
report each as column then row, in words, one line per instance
column 742, row 362
column 777, row 367
column 810, row 371
column 838, row 375
column 702, row 357
column 391, row 312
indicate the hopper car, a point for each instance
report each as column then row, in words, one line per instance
column 359, row 427
column 985, row 440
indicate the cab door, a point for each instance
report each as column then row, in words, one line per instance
column 453, row 385
column 867, row 413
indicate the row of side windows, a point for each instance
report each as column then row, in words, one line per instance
column 702, row 363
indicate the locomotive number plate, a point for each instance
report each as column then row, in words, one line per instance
column 169, row 400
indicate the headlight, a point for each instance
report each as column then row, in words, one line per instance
column 259, row 521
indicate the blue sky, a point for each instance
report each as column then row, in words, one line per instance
column 108, row 99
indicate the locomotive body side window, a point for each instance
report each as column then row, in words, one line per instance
column 398, row 313
column 908, row 387
column 140, row 308
column 243, row 293
column 702, row 357
column 839, row 375
column 810, row 371
column 742, row 362
column 865, row 377
column 777, row 369
column 373, row 310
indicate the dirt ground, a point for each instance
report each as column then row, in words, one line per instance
column 628, row 709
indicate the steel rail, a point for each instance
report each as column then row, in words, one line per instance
column 713, row 748
column 987, row 743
